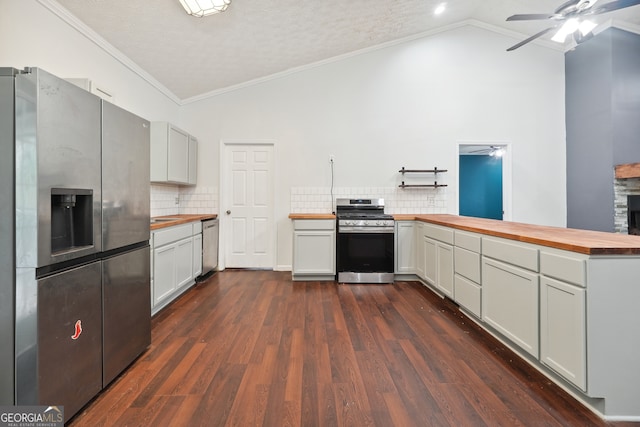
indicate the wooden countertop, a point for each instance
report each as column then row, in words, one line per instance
column 570, row 239
column 179, row 219
column 311, row 216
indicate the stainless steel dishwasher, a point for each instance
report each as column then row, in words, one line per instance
column 209, row 247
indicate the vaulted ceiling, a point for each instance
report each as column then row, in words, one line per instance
column 254, row 39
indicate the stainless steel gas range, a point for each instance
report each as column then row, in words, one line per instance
column 365, row 243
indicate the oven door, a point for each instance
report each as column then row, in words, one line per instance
column 365, row 256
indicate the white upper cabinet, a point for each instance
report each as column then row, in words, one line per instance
column 173, row 155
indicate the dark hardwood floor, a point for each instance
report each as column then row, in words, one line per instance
column 251, row 348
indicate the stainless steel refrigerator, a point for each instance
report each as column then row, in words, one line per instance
column 74, row 231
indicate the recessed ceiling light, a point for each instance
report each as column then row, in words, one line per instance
column 440, row 9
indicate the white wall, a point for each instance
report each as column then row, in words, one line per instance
column 403, row 105
column 32, row 36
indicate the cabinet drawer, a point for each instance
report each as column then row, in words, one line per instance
column 436, row 232
column 520, row 254
column 171, row 234
column 314, row 224
column 197, row 227
column 467, row 264
column 468, row 294
column 567, row 267
column 469, row 241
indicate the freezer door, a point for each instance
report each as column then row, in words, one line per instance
column 69, row 338
column 125, row 178
column 127, row 310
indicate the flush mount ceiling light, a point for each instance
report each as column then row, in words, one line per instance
column 202, row 8
column 439, row 10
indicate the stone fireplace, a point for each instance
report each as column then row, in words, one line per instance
column 627, row 198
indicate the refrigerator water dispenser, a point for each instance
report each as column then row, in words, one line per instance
column 71, row 219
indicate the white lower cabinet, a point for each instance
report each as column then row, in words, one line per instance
column 405, row 247
column 197, row 254
column 420, row 250
column 176, row 262
column 563, row 330
column 164, row 283
column 510, row 303
column 314, row 249
column 184, row 262
column 438, row 258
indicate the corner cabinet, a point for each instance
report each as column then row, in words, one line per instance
column 173, row 155
column 314, row 249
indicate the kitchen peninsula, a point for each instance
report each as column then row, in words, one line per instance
column 563, row 299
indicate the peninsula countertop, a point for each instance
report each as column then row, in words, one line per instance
column 570, row 239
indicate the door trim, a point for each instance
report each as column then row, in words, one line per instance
column 507, row 178
column 224, row 198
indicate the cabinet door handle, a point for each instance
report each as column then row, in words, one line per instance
column 228, row 212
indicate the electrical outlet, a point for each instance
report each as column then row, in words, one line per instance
column 332, row 158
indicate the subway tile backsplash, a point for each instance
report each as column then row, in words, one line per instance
column 397, row 200
column 174, row 200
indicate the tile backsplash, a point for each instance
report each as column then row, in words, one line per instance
column 396, row 200
column 174, row 200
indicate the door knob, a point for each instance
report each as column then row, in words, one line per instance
column 228, row 212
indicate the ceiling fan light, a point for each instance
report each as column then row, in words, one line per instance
column 586, row 27
column 200, row 8
column 567, row 28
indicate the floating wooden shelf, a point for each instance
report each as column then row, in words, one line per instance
column 434, row 170
column 435, row 184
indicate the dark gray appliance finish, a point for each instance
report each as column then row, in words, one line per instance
column 69, row 359
column 127, row 310
column 54, row 306
column 125, row 238
column 125, row 178
column 7, row 236
column 209, row 246
column 365, row 241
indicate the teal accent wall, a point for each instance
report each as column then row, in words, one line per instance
column 481, row 186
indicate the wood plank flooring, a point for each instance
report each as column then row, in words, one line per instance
column 253, row 348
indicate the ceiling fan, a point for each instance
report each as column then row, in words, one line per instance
column 571, row 18
column 491, row 150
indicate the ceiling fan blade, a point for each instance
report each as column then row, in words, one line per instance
column 564, row 6
column 533, row 37
column 611, row 6
column 532, row 17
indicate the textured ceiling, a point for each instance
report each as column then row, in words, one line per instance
column 258, row 38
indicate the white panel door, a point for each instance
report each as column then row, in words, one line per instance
column 249, row 206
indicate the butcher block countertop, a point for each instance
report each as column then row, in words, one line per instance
column 177, row 220
column 569, row 239
column 311, row 216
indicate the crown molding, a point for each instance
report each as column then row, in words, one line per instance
column 111, row 50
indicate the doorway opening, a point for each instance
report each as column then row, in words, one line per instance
column 484, row 180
